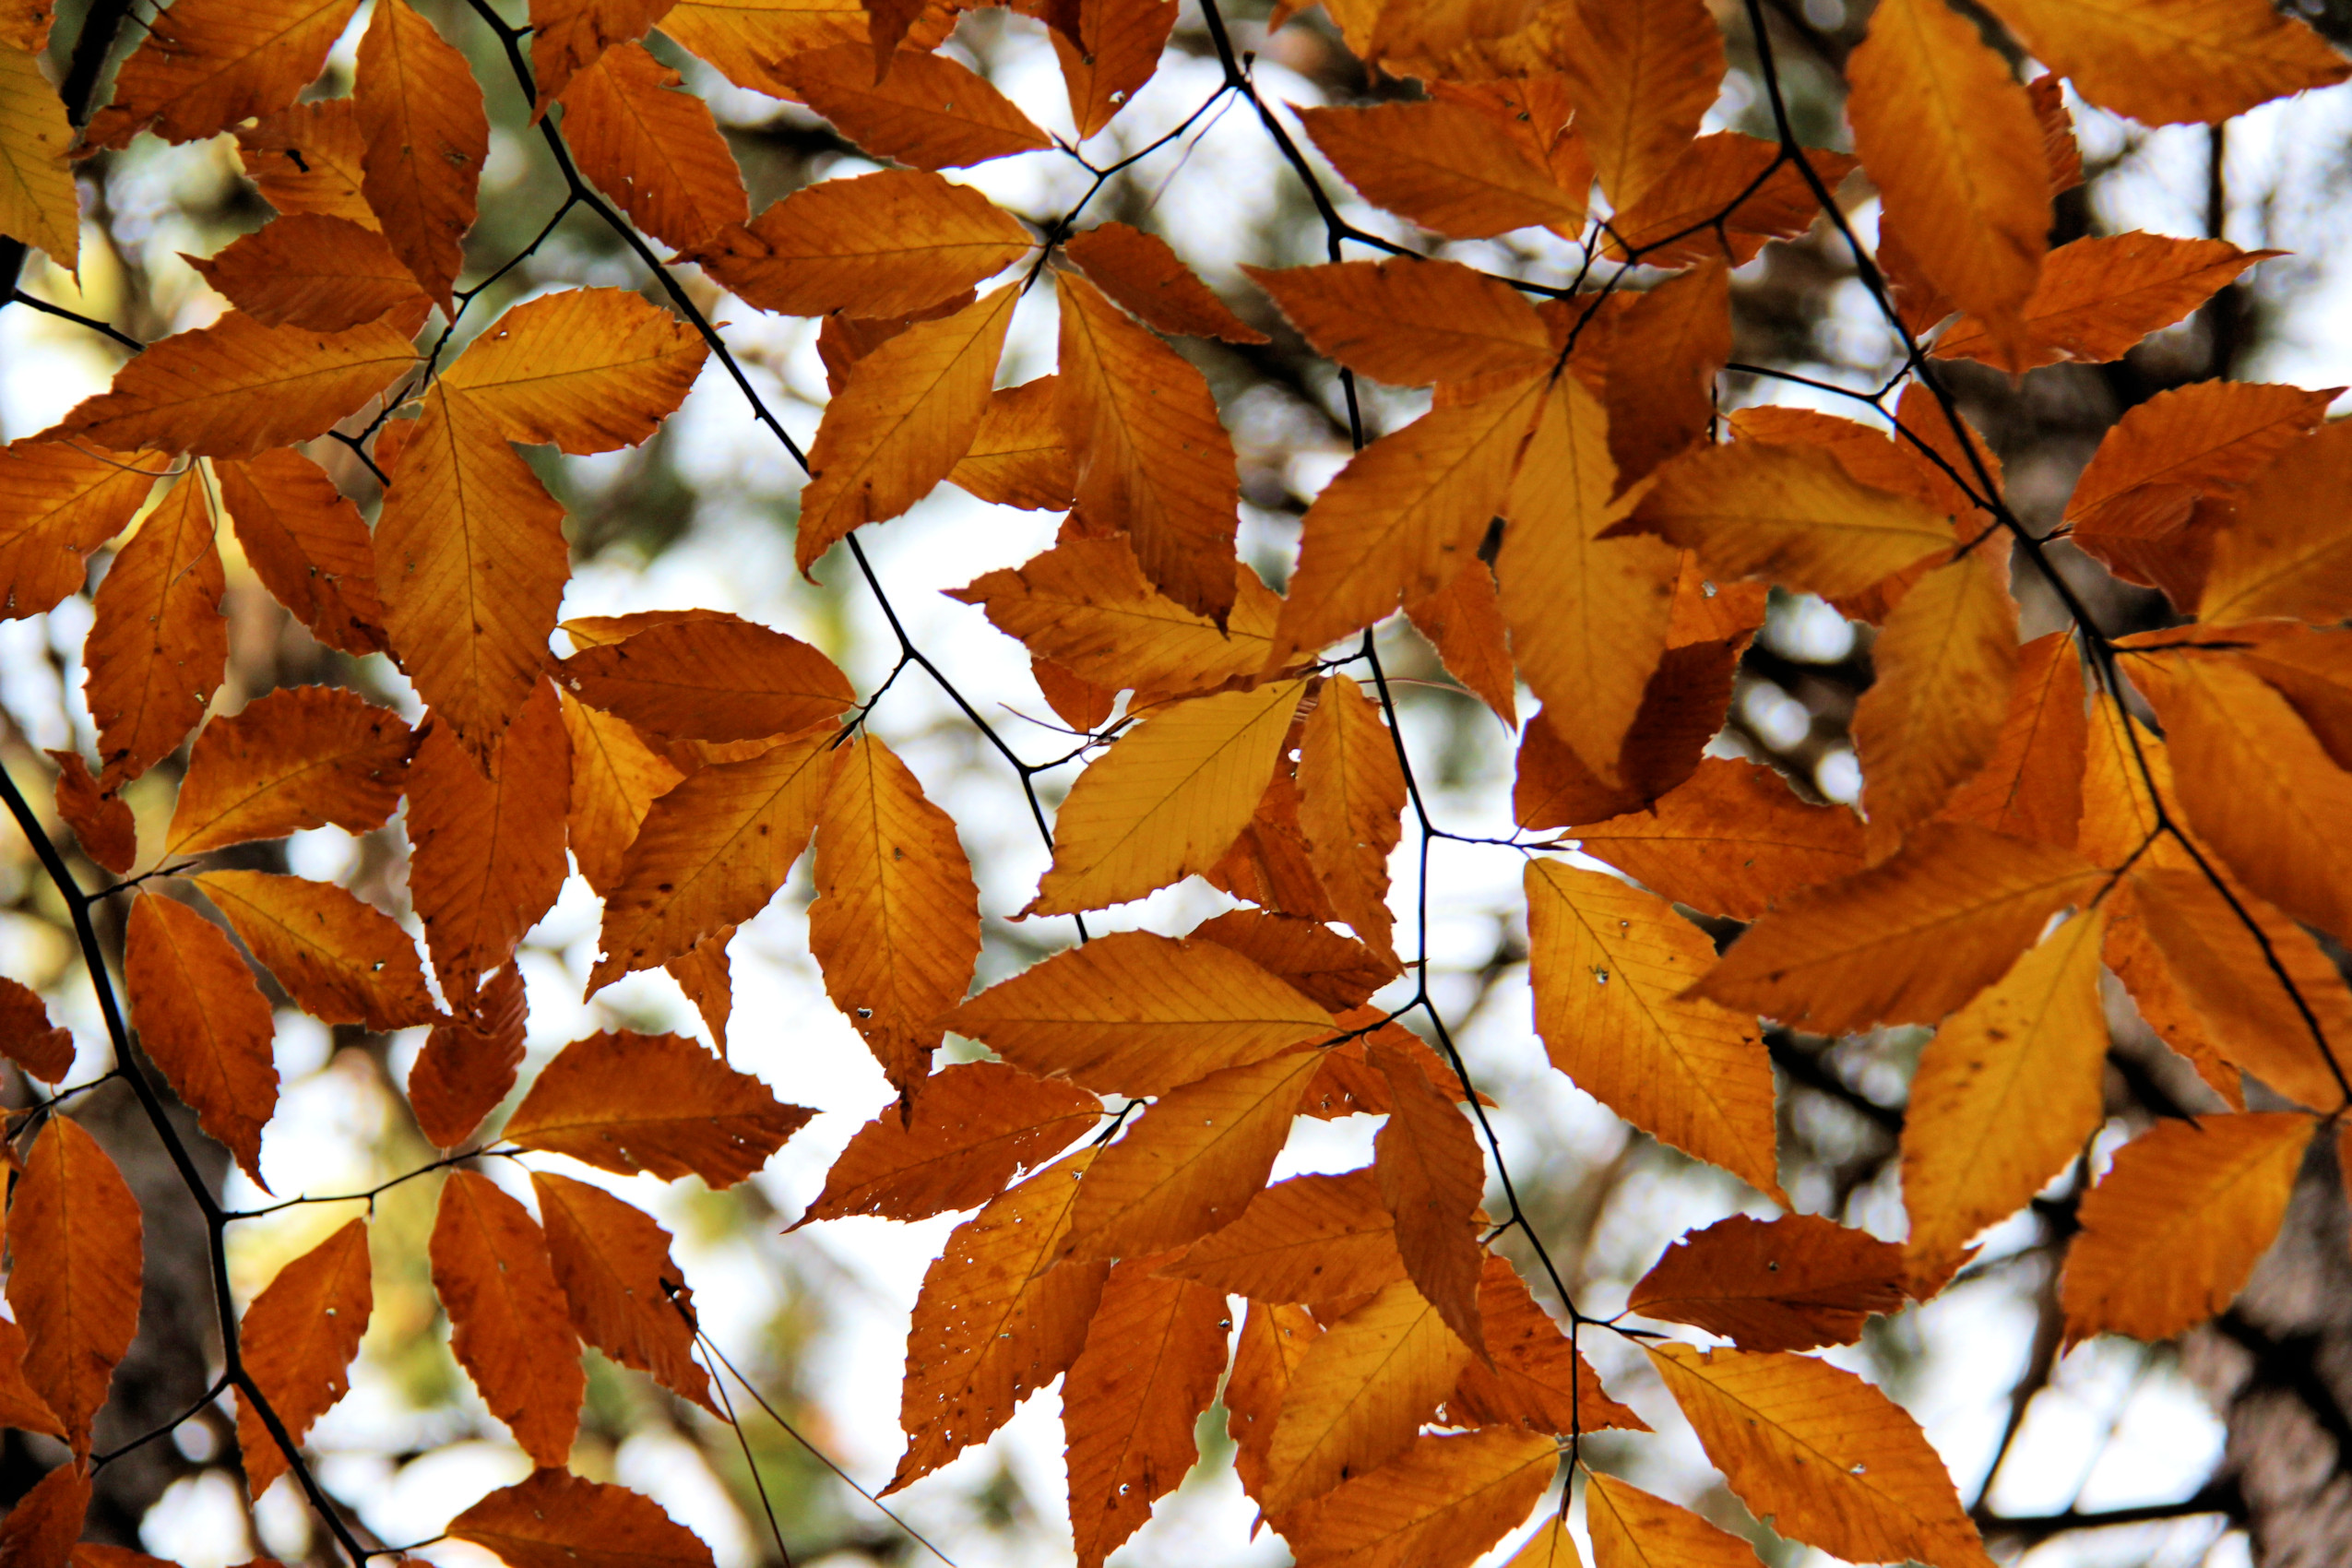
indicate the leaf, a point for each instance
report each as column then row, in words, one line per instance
column 40, row 1526
column 906, row 417
column 1642, row 77
column 710, row 680
column 656, row 152
column 1731, row 840
column 1463, row 622
column 992, row 1325
column 1359, row 1393
column 1538, row 1380
column 2099, row 296
column 468, row 1064
column 1832, row 1461
column 38, row 202
column 1264, row 1356
column 1431, row 1175
column 887, row 243
column 472, row 562
column 616, row 776
column 216, row 63
column 1550, row 1546
column 1404, row 516
column 1589, row 616
column 300, row 1337
column 710, row 1121
column 421, row 115
column 342, row 961
column 1150, row 1367
column 487, row 853
column 554, row 1519
column 2010, row 1090
column 204, row 1022
column 1663, row 356
column 2033, row 786
column 322, row 274
column 1614, row 969
column 1351, row 794
column 29, row 1039
column 614, row 1266
column 307, row 157
column 748, row 40
column 1167, row 800
column 1151, row 456
column 1631, row 1529
column 2286, row 554
column 20, row 1408
column 1785, row 1284
column 1443, row 166
column 927, row 111
column 1268, row 865
column 1310, row 1239
column 1740, row 179
column 2164, row 62
column 59, row 501
column 74, row 1233
column 1951, row 137
column 1789, row 514
column 307, row 545
column 704, row 975
column 1906, row 941
column 1017, row 458
column 1946, row 661
column 2203, row 439
column 1411, row 323
column 974, row 1125
column 508, row 1326
column 711, row 853
column 1440, row 1504
column 1109, row 55
column 896, row 925
column 1144, row 274
column 588, row 370
column 299, row 757
column 108, row 832
column 2173, row 1231
column 158, row 642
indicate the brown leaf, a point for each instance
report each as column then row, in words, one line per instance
column 158, row 643
column 655, row 150
column 1143, row 273
column 108, row 832
column 1538, row 1380
column 325, row 274
column 928, row 112
column 1785, row 1284
column 568, row 36
column 1311, row 1239
column 468, row 1064
column 307, row 157
column 973, row 1126
column 1411, row 323
column 21, row 1409
column 1741, row 178
column 299, row 1337
column 299, row 757
column 614, row 1266
column 1272, row 1340
column 2099, row 296
column 307, row 545
column 40, row 1527
column 508, row 1325
column 420, row 114
column 710, row 680
column 29, row 1039
column 59, row 501
column 1445, row 166
column 1109, row 55
column 1333, row 971
column 1439, row 1505
column 710, row 1121
column 554, row 1519
column 2033, row 786
column 1432, row 1175
column 74, row 1233
column 204, row 1022
column 1463, row 621
column 616, row 776
column 216, row 63
column 342, row 961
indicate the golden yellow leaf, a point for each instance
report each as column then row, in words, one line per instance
column 1731, row 840
column 655, row 150
column 158, row 642
column 708, row 679
column 1111, row 52
column 2032, row 787
column 216, row 63
column 1411, row 323
column 1613, row 967
column 1359, row 1393
column 1631, row 1529
column 420, row 113
column 2163, row 62
column 1463, row 621
column 1946, row 661
column 1018, row 457
column 588, row 370
column 342, row 961
column 1273, row 1338
column 300, row 756
column 928, row 112
column 615, row 779
column 1351, row 794
column 2286, row 552
column 1828, row 1458
column 1445, row 166
column 1439, row 1505
column 2173, row 1231
column 1432, row 1175
column 1167, row 800
column 38, row 204
column 1310, row 1239
column 1643, row 74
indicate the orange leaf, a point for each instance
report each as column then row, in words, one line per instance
column 1150, row 1366
column 1538, row 1380
column 1431, row 1175
column 2172, row 1232
column 656, row 152
column 896, row 923
column 1832, row 1461
column 299, row 1337
column 973, row 1126
column 508, row 1326
column 468, row 1064
column 1136, row 1014
column 421, row 115
column 1272, row 1340
column 1351, row 794
column 2286, row 552
column 2163, row 62
column 1951, row 137
column 1738, row 178
column 749, row 42
column 1151, row 456
column 1946, row 661
column 1785, row 1284
column 74, row 1233
column 41, row 1526
column 1612, row 969
column 588, row 370
column 1359, row 1393
column 1906, row 941
column 1310, row 1239
column 1017, row 458
column 1729, row 841
column 1631, row 1529
column 993, row 1324
column 2011, row 1090
column 1112, row 53
column 928, row 112
column 554, row 1519
column 710, row 1119
column 322, row 274
column 1404, row 516
column 38, row 199
column 615, row 779
column 2099, row 296
column 888, row 243
column 59, row 501
column 158, row 643
column 1445, row 166
column 1411, row 323
column 714, row 679
column 216, row 63
column 1167, row 800
column 1642, row 77
column 1144, row 274
column 904, row 420
column 202, row 1018
column 29, row 1039
column 2033, row 786
column 109, row 833
column 20, row 1408
column 1463, row 622
column 342, row 961
column 307, row 157
column 1664, row 353
column 570, row 36
column 299, row 757
column 712, row 852
column 1439, row 1505
column 2204, row 439
column 614, row 1266
column 704, row 974
column 307, row 545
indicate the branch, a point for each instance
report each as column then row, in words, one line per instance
column 2218, row 1497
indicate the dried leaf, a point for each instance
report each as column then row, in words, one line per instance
column 420, row 114
column 158, row 643
column 656, row 152
column 1017, row 458
column 715, row 680
column 1464, row 623
column 1351, row 793
column 1785, row 1284
column 299, row 757
column 710, row 1121
column 1443, row 166
column 1310, row 1239
column 628, row 1298
column 215, row 63
column 59, row 501
column 108, row 832
column 308, row 546
column 554, row 1519
column 1411, row 323
column 468, row 1064
column 74, row 1233
column 300, row 1337
column 1109, row 55
column 342, row 961
column 1439, row 1505
column 928, row 112
column 508, row 1325
column 38, row 200
column 203, row 1021
column 1359, row 1393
